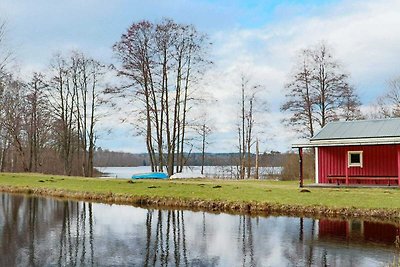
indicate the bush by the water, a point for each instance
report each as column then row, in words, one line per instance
column 291, row 167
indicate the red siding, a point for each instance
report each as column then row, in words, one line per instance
column 377, row 161
column 333, row 228
column 381, row 232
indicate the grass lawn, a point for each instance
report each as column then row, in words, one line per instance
column 228, row 191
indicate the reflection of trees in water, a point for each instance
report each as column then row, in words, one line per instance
column 76, row 235
column 33, row 229
column 42, row 232
column 10, row 234
column 246, row 240
column 166, row 243
column 159, row 251
column 305, row 250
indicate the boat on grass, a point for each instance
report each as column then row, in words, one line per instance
column 150, row 175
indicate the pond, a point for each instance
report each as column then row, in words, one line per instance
column 49, row 232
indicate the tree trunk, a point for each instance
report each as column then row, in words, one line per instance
column 203, row 148
column 257, row 161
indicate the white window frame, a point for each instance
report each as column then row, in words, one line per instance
column 350, row 164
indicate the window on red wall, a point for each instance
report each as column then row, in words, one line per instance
column 355, row 159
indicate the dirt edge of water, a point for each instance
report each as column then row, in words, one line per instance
column 249, row 208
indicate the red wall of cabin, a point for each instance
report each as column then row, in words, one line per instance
column 379, row 160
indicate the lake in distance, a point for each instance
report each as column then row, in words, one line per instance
column 50, row 232
column 227, row 172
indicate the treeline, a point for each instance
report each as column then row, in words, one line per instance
column 48, row 121
column 106, row 158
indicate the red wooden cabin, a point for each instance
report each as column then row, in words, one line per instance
column 363, row 152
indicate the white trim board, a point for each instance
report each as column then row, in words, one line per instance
column 350, row 142
column 316, row 166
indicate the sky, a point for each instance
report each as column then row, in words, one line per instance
column 257, row 38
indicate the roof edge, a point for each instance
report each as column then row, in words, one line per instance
column 356, row 141
column 349, row 142
column 303, row 145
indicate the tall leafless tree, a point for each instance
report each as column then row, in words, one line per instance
column 249, row 106
column 162, row 62
column 62, row 98
column 319, row 91
column 14, row 121
column 75, row 94
column 300, row 96
column 5, row 51
column 87, row 75
column 39, row 120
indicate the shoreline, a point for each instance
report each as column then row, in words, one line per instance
column 252, row 208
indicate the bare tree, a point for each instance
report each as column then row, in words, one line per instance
column 319, row 92
column 44, row 116
column 62, row 98
column 5, row 52
column 350, row 106
column 246, row 126
column 5, row 56
column 75, row 94
column 300, row 97
column 25, row 124
column 389, row 103
column 14, row 121
column 162, row 62
column 204, row 129
column 87, row 75
column 257, row 164
column 39, row 120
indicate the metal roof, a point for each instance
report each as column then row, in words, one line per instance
column 382, row 128
column 356, row 133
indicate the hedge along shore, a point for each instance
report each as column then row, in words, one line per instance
column 147, row 196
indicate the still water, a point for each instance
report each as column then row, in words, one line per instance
column 49, row 232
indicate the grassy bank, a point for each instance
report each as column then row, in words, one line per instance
column 248, row 196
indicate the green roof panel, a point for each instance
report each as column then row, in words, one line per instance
column 359, row 129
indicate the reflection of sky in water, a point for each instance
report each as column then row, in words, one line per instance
column 49, row 232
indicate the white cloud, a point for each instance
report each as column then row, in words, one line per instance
column 365, row 36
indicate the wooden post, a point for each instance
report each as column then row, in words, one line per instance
column 398, row 165
column 257, row 161
column 347, row 168
column 301, row 165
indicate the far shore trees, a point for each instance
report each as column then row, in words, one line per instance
column 318, row 92
column 163, row 62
